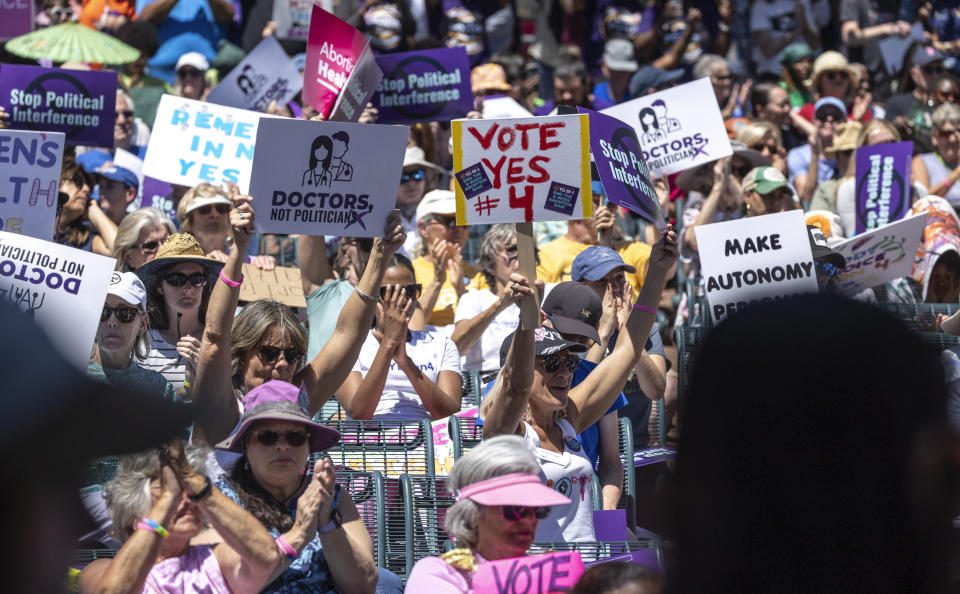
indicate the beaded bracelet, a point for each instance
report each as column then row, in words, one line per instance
column 231, row 283
column 642, row 307
column 151, row 526
column 285, row 548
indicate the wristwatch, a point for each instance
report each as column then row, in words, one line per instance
column 334, row 523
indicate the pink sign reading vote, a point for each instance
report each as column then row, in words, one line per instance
column 535, row 574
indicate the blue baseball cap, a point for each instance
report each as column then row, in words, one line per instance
column 300, row 61
column 593, row 263
column 120, row 174
column 833, row 101
column 91, row 161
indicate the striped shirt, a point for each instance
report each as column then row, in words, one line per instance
column 165, row 360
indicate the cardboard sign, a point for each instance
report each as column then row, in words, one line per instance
column 755, row 259
column 333, row 49
column 882, row 184
column 78, row 103
column 62, row 288
column 428, row 85
column 265, row 75
column 522, row 170
column 443, row 458
column 623, row 172
column 329, row 178
column 29, row 181
column 17, row 18
column 358, row 90
column 292, row 18
column 194, row 142
column 281, row 284
column 879, row 256
column 679, row 128
column 534, row 574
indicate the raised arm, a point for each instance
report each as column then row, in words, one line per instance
column 315, row 270
column 466, row 333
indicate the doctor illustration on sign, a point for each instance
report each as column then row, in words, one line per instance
column 342, row 170
column 321, row 154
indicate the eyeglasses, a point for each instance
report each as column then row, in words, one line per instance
column 268, row 437
column 412, row 291
column 449, row 222
column 178, row 279
column 126, row 113
column 147, row 246
column 417, row 175
column 827, row 268
column 510, row 253
column 221, row 208
column 268, row 354
column 124, row 315
column 830, row 116
column 722, row 76
column 515, row 513
column 551, row 363
column 935, row 69
column 836, row 74
column 945, row 134
column 189, row 72
column 58, row 12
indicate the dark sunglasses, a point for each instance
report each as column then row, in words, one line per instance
column 191, row 72
column 67, row 12
column 293, row 438
column 827, row 115
column 836, row 74
column 269, row 354
column 827, row 268
column 932, row 69
column 449, row 222
column 148, row 246
column 722, row 76
column 178, row 279
column 124, row 315
column 945, row 134
column 553, row 362
column 418, row 175
column 515, row 513
column 127, row 114
column 412, row 291
column 221, row 208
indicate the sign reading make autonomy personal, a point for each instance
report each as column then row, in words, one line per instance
column 679, row 128
column 755, row 259
column 264, row 76
column 623, row 172
column 326, row 178
column 427, row 85
column 194, row 142
column 78, row 103
column 29, row 181
column 882, row 184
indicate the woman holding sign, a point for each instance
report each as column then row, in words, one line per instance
column 80, row 221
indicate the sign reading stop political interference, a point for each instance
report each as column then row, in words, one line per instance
column 426, row 85
column 522, row 170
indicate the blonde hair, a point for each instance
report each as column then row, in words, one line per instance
column 129, row 232
column 203, row 190
column 754, row 132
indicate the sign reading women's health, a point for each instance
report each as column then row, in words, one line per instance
column 29, row 181
column 78, row 103
column 879, row 256
column 59, row 287
column 755, row 259
column 522, row 170
column 679, row 128
column 326, row 178
column 882, row 184
column 265, row 75
column 428, row 85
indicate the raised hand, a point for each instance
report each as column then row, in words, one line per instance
column 393, row 311
column 440, row 252
column 393, row 234
column 665, row 253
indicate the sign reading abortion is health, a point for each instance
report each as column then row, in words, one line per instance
column 333, row 51
column 326, row 178
column 879, row 256
column 679, row 128
column 78, row 103
column 522, row 170
column 194, row 142
column 755, row 259
column 29, row 181
column 533, row 574
column 882, row 184
column 59, row 287
column 428, row 85
column 265, row 75
column 623, row 173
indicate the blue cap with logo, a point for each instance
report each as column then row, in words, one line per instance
column 593, row 263
column 120, row 174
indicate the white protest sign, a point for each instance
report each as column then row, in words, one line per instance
column 522, row 170
column 326, row 178
column 879, row 256
column 292, row 18
column 265, row 75
column 29, row 181
column 61, row 288
column 679, row 128
column 496, row 108
column 194, row 142
column 755, row 259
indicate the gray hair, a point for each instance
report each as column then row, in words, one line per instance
column 947, row 113
column 497, row 456
column 126, row 97
column 128, row 492
column 493, row 241
column 129, row 232
column 706, row 63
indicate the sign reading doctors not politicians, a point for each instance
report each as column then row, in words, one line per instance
column 332, row 178
column 426, row 85
column 265, row 75
column 29, row 181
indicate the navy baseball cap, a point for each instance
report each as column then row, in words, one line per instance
column 651, row 77
column 593, row 263
column 120, row 174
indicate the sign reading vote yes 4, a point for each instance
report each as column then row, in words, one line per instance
column 330, row 178
column 533, row 574
column 679, row 128
column 522, row 169
column 882, row 184
column 29, row 181
column 265, row 75
column 427, row 85
column 78, row 103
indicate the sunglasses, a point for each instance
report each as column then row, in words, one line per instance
column 124, row 315
column 836, row 75
column 553, row 362
column 449, row 222
column 293, row 438
column 178, row 279
column 221, row 208
column 147, row 246
column 515, row 513
column 412, row 291
column 269, row 354
column 511, row 253
column 189, row 72
column 945, row 134
column 127, row 114
column 827, row 268
column 62, row 12
column 417, row 175
column 722, row 76
column 830, row 115
column 932, row 69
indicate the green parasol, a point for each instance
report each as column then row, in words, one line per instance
column 72, row 42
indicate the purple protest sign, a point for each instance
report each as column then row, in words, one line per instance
column 426, row 85
column 623, row 172
column 646, row 557
column 17, row 18
column 78, row 103
column 882, row 184
column 610, row 525
column 647, row 456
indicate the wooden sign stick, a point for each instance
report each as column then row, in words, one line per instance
column 526, row 254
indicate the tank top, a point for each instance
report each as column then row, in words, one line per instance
column 196, row 570
column 571, row 474
column 937, row 172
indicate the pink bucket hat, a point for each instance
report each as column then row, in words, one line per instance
column 278, row 400
column 518, row 488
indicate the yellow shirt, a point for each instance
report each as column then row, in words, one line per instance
column 446, row 305
column 556, row 259
column 636, row 254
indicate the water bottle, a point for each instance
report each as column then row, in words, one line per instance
column 697, row 320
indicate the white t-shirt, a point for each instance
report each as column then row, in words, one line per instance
column 778, row 18
column 165, row 360
column 431, row 350
column 484, row 355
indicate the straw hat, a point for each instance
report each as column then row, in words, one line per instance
column 846, row 137
column 831, row 61
column 178, row 248
column 489, row 77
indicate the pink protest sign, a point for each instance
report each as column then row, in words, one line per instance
column 17, row 18
column 333, row 50
column 535, row 574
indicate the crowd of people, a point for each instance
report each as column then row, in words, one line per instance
column 393, row 323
